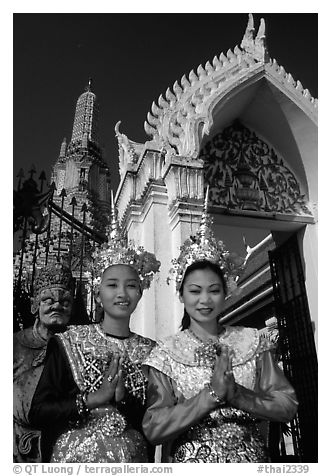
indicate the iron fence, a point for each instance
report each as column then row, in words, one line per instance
column 53, row 228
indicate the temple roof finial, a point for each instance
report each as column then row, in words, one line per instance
column 63, row 148
column 114, row 231
column 248, row 38
column 255, row 46
column 89, row 85
column 204, row 217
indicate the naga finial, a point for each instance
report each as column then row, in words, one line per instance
column 255, row 46
column 248, row 38
column 117, row 128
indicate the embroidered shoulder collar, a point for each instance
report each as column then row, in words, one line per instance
column 184, row 348
column 91, row 338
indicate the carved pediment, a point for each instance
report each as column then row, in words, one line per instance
column 244, row 172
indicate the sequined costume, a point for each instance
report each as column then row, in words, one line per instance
column 76, row 363
column 29, row 354
column 184, row 416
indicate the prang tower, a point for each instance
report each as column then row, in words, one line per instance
column 80, row 168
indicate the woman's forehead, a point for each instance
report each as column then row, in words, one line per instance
column 120, row 271
column 203, row 276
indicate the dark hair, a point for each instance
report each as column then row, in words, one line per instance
column 203, row 264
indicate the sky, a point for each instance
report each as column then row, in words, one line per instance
column 132, row 58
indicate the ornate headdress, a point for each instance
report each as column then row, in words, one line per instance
column 53, row 275
column 118, row 250
column 205, row 247
column 56, row 274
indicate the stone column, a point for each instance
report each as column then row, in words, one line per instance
column 160, row 202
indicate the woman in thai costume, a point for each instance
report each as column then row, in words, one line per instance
column 90, row 399
column 210, row 385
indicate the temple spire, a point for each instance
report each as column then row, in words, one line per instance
column 85, row 126
column 63, row 148
column 89, row 85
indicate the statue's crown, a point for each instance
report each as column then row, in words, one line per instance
column 205, row 247
column 118, row 250
column 55, row 274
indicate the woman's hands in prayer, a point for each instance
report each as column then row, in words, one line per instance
column 112, row 386
column 222, row 380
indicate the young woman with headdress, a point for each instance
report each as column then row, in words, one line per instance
column 90, row 399
column 210, row 385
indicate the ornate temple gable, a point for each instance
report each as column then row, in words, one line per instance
column 179, row 120
column 206, row 101
column 244, row 172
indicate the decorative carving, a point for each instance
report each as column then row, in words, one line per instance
column 255, row 46
column 126, row 150
column 245, row 172
column 176, row 118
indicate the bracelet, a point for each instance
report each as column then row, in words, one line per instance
column 220, row 400
column 81, row 403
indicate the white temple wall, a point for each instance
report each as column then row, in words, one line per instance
column 154, row 315
column 310, row 246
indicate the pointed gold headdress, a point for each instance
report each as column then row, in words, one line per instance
column 205, row 247
column 118, row 250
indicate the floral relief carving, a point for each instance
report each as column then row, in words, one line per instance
column 244, row 172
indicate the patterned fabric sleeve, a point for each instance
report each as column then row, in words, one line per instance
column 273, row 398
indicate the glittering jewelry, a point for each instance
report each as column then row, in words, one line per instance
column 81, row 404
column 108, row 421
column 134, row 379
column 199, row 338
column 118, row 250
column 205, row 352
column 221, row 401
column 205, row 247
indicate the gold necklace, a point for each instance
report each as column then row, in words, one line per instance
column 204, row 342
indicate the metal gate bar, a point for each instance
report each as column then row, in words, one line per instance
column 297, row 344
